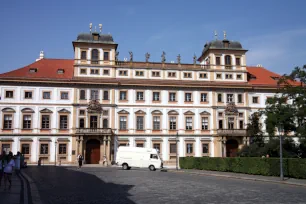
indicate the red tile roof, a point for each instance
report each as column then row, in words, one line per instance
column 47, row 70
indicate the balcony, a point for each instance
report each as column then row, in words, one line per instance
column 232, row 132
column 94, row 131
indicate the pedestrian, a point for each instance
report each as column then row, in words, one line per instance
column 80, row 160
column 1, row 166
column 17, row 163
column 8, row 170
column 104, row 160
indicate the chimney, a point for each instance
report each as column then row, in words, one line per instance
column 41, row 55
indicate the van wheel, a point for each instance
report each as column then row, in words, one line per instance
column 152, row 168
column 125, row 166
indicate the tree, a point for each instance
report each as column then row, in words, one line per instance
column 254, row 129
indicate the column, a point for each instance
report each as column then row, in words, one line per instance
column 108, row 150
column 101, row 150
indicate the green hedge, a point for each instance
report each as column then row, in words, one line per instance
column 294, row 168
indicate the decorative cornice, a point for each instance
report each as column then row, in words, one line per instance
column 64, row 111
column 156, row 112
column 46, row 110
column 140, row 112
column 9, row 110
column 173, row 112
column 204, row 113
column 123, row 112
column 27, row 110
column 189, row 113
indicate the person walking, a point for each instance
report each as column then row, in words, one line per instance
column 8, row 170
column 80, row 160
column 17, row 163
column 1, row 166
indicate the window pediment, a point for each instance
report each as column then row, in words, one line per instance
column 64, row 111
column 27, row 110
column 189, row 113
column 204, row 113
column 173, row 112
column 8, row 110
column 123, row 112
column 46, row 110
column 140, row 112
column 156, row 112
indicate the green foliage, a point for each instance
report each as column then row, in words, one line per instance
column 254, row 129
column 295, row 168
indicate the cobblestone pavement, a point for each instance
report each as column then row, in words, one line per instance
column 111, row 185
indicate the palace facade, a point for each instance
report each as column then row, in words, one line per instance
column 54, row 109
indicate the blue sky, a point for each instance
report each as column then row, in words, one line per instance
column 274, row 31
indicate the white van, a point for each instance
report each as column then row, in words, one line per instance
column 128, row 157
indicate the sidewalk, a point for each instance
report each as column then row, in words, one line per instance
column 13, row 195
column 270, row 179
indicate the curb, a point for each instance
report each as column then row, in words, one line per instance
column 35, row 197
column 242, row 178
column 24, row 188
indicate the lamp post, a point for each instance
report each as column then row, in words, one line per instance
column 55, row 153
column 280, row 130
column 176, row 141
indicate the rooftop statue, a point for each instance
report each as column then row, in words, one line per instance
column 147, row 57
column 163, row 57
column 131, row 56
column 178, row 59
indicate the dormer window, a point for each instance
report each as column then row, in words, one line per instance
column 276, row 78
column 60, row 71
column 95, row 36
column 33, row 70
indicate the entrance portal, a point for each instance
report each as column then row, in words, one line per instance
column 92, row 151
column 231, row 148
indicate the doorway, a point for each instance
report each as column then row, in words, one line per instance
column 231, row 148
column 92, row 151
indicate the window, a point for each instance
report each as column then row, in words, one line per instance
column 204, row 123
column 228, row 76
column 8, row 121
column 105, row 95
column 28, row 94
column 60, row 71
column 220, row 124
column 64, row 95
column 44, row 148
column 139, row 73
column 83, row 55
column 205, row 148
column 82, row 95
column 25, row 149
column 46, row 95
column 203, row 75
column 82, row 123
column 172, row 148
column 45, row 122
column 172, row 124
column 189, row 148
column 105, row 71
column 156, row 122
column 62, row 148
column 82, row 112
column 93, row 122
column 94, row 56
column 123, row 73
column 156, row 146
column 203, row 97
column 139, row 145
column 240, row 124
column 240, row 115
column 122, row 95
column 255, row 99
column 153, row 156
column 229, row 98
column 171, row 74
column 33, row 70
column 219, row 76
column 228, row 60
column 219, row 98
column 26, row 122
column 188, row 123
column 139, row 96
column 139, row 122
column 218, row 62
column 63, row 122
column 94, row 94
column 237, row 61
column 231, row 123
column 106, row 56
column 239, row 76
column 94, row 71
column 155, row 74
column 105, row 123
column 188, row 97
column 172, row 97
column 9, row 94
column 239, row 98
column 220, row 114
column 187, row 75
column 6, row 148
column 105, row 112
column 155, row 96
column 122, row 123
column 83, row 71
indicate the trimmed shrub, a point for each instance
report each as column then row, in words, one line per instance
column 295, row 168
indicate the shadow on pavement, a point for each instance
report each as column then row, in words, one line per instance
column 63, row 185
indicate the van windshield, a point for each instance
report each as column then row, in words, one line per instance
column 153, row 156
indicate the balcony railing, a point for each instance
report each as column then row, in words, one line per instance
column 94, row 131
column 232, row 132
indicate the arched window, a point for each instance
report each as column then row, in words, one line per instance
column 228, row 60
column 105, row 123
column 94, row 56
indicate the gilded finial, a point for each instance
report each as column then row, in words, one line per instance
column 216, row 35
column 90, row 27
column 224, row 34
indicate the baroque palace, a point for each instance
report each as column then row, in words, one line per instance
column 54, row 109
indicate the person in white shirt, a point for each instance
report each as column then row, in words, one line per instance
column 8, row 170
